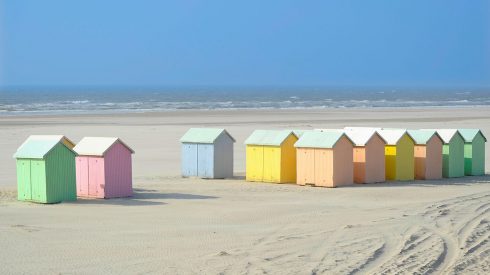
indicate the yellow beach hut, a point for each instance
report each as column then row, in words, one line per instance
column 399, row 154
column 271, row 156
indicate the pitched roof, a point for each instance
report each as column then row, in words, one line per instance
column 97, row 146
column 203, row 135
column 269, row 137
column 470, row 134
column 392, row 136
column 38, row 146
column 319, row 139
column 361, row 136
column 421, row 137
column 447, row 134
column 300, row 132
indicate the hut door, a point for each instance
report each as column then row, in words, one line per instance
column 24, row 178
column 309, row 164
column 205, row 160
column 272, row 164
column 189, row 160
column 82, row 176
column 95, row 178
column 38, row 180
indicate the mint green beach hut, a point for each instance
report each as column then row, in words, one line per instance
column 46, row 169
column 474, row 151
column 452, row 153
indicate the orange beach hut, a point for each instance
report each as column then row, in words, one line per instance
column 324, row 159
column 428, row 154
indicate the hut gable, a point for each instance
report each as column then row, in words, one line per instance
column 447, row 135
column 318, row 139
column 470, row 134
column 269, row 137
column 38, row 146
column 422, row 137
column 97, row 146
column 204, row 135
column 392, row 136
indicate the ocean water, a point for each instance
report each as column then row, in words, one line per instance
column 62, row 101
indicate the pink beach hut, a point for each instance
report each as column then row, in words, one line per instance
column 103, row 168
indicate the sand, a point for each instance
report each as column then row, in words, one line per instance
column 192, row 226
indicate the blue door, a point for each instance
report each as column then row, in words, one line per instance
column 205, row 160
column 189, row 160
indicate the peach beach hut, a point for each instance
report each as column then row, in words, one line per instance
column 428, row 154
column 271, row 156
column 474, row 151
column 369, row 155
column 103, row 168
column 324, row 159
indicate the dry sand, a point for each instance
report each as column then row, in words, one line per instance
column 192, row 226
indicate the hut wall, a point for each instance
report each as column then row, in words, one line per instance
column 118, row 172
column 375, row 160
column 60, row 175
column 223, row 157
column 433, row 162
column 288, row 160
column 405, row 159
column 343, row 167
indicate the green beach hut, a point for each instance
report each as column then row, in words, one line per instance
column 46, row 169
column 474, row 151
column 452, row 153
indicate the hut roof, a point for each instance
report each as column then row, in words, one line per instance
column 38, row 146
column 447, row 134
column 269, row 137
column 300, row 132
column 392, row 136
column 470, row 134
column 320, row 139
column 203, row 135
column 97, row 146
column 421, row 137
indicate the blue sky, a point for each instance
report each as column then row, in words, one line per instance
column 405, row 43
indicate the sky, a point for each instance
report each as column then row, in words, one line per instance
column 341, row 43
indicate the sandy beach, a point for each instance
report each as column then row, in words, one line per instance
column 192, row 226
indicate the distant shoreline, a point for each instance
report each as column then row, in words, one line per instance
column 157, row 111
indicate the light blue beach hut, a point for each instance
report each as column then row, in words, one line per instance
column 207, row 153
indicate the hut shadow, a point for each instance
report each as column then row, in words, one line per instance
column 462, row 181
column 144, row 197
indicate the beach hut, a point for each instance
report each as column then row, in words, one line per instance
column 46, row 169
column 369, row 155
column 452, row 153
column 104, row 168
column 399, row 156
column 428, row 154
column 207, row 153
column 474, row 151
column 271, row 156
column 324, row 159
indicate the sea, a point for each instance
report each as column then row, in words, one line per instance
column 52, row 101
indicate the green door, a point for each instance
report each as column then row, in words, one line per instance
column 38, row 181
column 24, row 180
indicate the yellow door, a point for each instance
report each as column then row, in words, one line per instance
column 390, row 162
column 254, row 163
column 272, row 164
